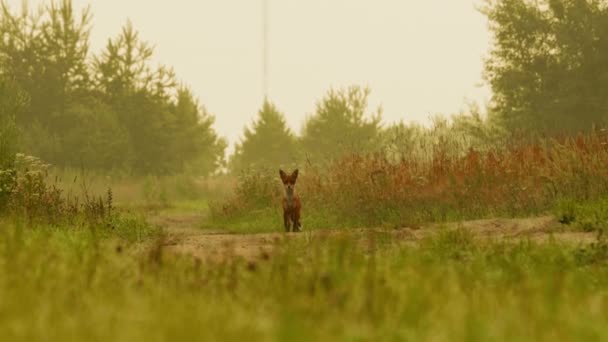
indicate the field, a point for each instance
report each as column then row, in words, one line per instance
column 209, row 263
column 131, row 209
column 483, row 280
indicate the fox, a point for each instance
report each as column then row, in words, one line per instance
column 291, row 202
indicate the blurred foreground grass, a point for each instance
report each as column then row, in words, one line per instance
column 63, row 283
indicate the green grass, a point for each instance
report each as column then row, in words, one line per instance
column 185, row 207
column 270, row 219
column 64, row 283
column 175, row 193
column 586, row 216
column 591, row 215
column 253, row 221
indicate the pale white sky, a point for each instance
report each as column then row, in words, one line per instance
column 419, row 57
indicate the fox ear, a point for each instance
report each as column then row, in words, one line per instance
column 295, row 174
column 282, row 174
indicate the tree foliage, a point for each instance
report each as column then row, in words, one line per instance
column 342, row 124
column 12, row 103
column 548, row 67
column 268, row 143
column 453, row 136
column 110, row 111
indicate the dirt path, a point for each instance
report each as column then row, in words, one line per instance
column 184, row 236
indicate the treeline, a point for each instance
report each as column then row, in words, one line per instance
column 343, row 124
column 340, row 124
column 111, row 111
column 114, row 110
column 548, row 69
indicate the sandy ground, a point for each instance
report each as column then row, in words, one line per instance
column 184, row 236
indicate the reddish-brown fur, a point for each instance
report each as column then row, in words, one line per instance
column 291, row 202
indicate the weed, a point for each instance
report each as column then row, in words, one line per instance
column 445, row 183
column 450, row 287
column 587, row 216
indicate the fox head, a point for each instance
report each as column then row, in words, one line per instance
column 289, row 181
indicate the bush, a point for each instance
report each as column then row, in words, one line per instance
column 519, row 179
column 587, row 216
column 254, row 190
column 30, row 194
column 12, row 101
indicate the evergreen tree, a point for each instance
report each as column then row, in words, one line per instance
column 123, row 68
column 114, row 112
column 269, row 143
column 12, row 103
column 342, row 125
column 195, row 143
column 45, row 52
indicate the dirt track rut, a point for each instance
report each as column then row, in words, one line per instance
column 184, row 236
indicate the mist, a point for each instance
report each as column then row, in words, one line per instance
column 317, row 171
column 419, row 58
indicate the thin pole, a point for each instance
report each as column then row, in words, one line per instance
column 265, row 47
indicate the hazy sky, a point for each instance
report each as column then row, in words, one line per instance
column 419, row 57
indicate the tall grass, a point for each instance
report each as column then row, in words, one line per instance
column 68, row 285
column 149, row 193
column 445, row 183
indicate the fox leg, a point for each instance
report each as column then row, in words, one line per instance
column 286, row 221
column 296, row 222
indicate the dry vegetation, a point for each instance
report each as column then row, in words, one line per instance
column 113, row 276
column 521, row 178
column 459, row 231
column 367, row 286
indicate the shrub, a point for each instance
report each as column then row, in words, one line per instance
column 522, row 178
column 31, row 194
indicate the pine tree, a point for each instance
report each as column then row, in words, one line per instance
column 114, row 112
column 342, row 125
column 195, row 144
column 269, row 143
